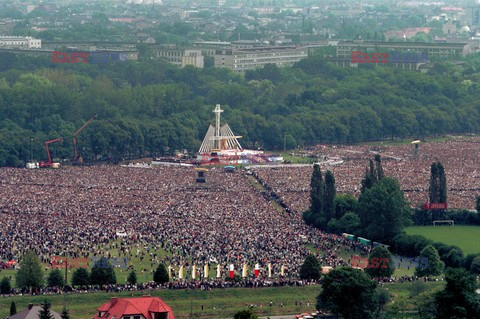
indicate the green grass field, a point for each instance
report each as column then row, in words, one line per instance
column 218, row 303
column 297, row 159
column 465, row 237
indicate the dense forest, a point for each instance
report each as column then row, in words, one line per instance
column 152, row 108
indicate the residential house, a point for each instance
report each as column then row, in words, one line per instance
column 32, row 312
column 145, row 307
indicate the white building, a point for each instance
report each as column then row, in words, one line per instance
column 20, row 42
column 179, row 56
column 250, row 59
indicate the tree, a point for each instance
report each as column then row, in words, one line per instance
column 30, row 274
column 351, row 293
column 80, row 277
column 269, row 72
column 370, row 178
column 350, row 222
column 434, row 265
column 329, row 196
column 442, row 192
column 426, row 305
column 102, row 273
column 132, row 278
column 373, row 174
column 44, row 313
column 475, row 267
column 377, row 268
column 161, row 275
column 383, row 210
column 379, row 169
column 55, row 279
column 434, row 187
column 245, row 314
column 65, row 314
column 311, row 269
column 468, row 260
column 317, row 188
column 345, row 203
column 453, row 258
column 478, row 204
column 5, row 286
column 315, row 215
column 13, row 308
column 458, row 299
column 437, row 191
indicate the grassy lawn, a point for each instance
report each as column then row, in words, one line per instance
column 465, row 237
column 297, row 159
column 218, row 303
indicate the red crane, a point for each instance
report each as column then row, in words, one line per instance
column 75, row 151
column 49, row 163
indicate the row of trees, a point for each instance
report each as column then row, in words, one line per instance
column 151, row 108
column 30, row 275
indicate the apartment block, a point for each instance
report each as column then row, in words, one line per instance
column 12, row 42
column 250, row 59
column 441, row 50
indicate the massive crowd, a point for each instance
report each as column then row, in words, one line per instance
column 84, row 211
column 77, row 211
column 459, row 157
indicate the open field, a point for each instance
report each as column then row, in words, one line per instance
column 465, row 237
column 184, row 302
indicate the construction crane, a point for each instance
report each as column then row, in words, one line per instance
column 49, row 163
column 75, row 151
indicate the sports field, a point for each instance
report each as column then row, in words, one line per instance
column 465, row 237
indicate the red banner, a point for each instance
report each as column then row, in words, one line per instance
column 433, row 206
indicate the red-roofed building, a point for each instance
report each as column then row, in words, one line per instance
column 135, row 308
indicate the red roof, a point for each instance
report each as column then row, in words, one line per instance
column 145, row 306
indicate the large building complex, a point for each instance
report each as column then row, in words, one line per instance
column 250, row 59
column 441, row 50
column 12, row 42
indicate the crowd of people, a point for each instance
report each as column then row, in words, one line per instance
column 410, row 167
column 83, row 212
